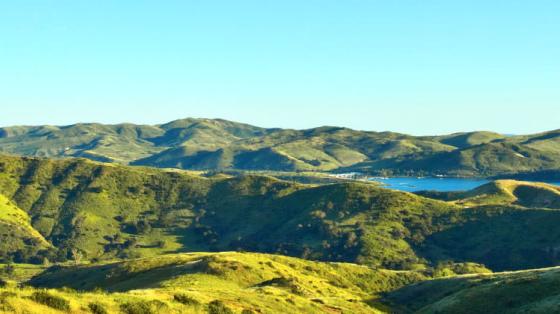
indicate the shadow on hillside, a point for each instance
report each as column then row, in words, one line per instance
column 509, row 240
column 117, row 277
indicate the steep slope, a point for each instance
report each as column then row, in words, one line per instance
column 17, row 236
column 533, row 291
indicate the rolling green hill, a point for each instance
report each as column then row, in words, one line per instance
column 107, row 210
column 464, row 140
column 121, row 143
column 324, row 149
column 94, row 211
column 207, row 144
column 484, row 160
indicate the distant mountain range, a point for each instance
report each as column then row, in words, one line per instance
column 215, row 144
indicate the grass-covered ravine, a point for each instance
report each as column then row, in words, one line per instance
column 81, row 236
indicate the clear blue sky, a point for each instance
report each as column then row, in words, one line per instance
column 421, row 67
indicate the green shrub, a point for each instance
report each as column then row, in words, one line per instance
column 136, row 308
column 185, row 299
column 7, row 294
column 50, row 300
column 5, row 306
column 143, row 307
column 97, row 308
column 218, row 307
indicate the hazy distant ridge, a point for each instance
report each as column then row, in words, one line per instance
column 214, row 144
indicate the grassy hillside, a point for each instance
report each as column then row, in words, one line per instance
column 121, row 143
column 106, row 211
column 464, row 140
column 90, row 211
column 533, row 291
column 204, row 283
column 206, row 144
column 17, row 234
column 323, row 149
column 230, row 282
column 513, row 230
column 505, row 192
column 119, row 234
column 481, row 160
column 94, row 141
column 548, row 142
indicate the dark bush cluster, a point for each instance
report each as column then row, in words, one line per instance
column 50, row 300
column 97, row 308
column 218, row 307
column 185, row 299
column 137, row 308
